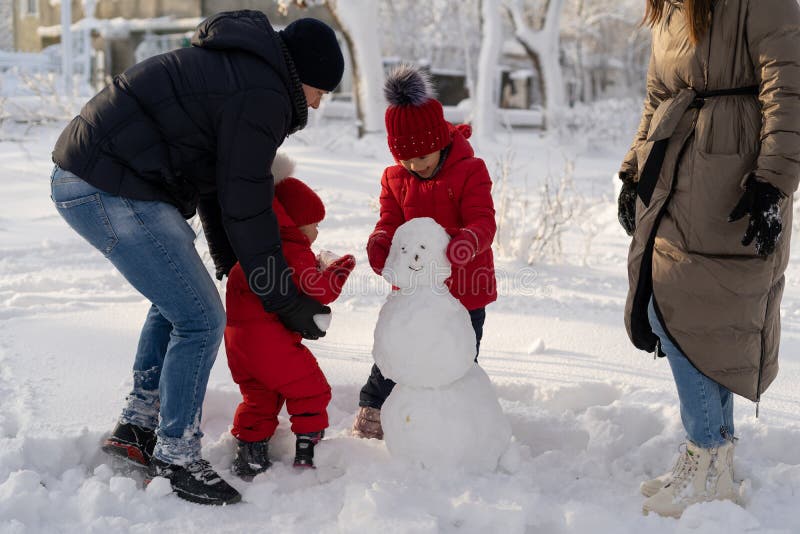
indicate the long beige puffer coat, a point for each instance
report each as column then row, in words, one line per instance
column 719, row 301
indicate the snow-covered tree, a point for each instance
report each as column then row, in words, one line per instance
column 538, row 31
column 445, row 36
column 605, row 47
column 485, row 99
column 357, row 19
column 435, row 36
column 467, row 19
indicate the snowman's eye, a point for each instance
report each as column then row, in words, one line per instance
column 403, row 249
column 422, row 247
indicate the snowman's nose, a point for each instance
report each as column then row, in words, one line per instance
column 416, row 257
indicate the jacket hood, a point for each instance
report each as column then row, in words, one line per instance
column 460, row 148
column 245, row 30
column 288, row 228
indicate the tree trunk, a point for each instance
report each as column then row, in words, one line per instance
column 358, row 22
column 485, row 102
column 543, row 47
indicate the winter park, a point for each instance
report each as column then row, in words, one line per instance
column 519, row 266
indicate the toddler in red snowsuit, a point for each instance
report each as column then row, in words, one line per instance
column 436, row 175
column 267, row 360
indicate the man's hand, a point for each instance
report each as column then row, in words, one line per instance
column 298, row 316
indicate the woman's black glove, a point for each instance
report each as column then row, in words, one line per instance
column 298, row 316
column 761, row 201
column 626, row 204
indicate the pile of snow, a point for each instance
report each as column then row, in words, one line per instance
column 591, row 416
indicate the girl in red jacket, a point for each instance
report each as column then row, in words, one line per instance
column 438, row 176
column 266, row 359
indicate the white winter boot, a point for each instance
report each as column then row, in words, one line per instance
column 648, row 488
column 700, row 475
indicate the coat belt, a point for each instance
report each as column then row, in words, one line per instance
column 665, row 120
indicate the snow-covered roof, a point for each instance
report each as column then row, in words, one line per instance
column 521, row 74
column 121, row 27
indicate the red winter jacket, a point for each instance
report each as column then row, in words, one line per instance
column 324, row 286
column 458, row 197
column 268, row 361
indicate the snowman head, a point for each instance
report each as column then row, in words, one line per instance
column 417, row 257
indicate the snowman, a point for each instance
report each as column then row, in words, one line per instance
column 443, row 412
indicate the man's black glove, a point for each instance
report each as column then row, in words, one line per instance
column 298, row 316
column 626, row 203
column 761, row 201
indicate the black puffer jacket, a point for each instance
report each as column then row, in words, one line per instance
column 200, row 125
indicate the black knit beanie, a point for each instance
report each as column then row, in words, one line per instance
column 316, row 53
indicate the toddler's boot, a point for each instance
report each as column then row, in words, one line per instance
column 252, row 458
column 304, row 448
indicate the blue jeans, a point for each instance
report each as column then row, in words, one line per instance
column 152, row 246
column 706, row 406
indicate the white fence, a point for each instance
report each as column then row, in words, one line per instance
column 20, row 70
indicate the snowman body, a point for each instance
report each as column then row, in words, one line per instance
column 443, row 412
column 418, row 342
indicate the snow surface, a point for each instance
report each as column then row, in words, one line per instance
column 592, row 417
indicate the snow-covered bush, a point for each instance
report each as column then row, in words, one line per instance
column 531, row 224
column 34, row 98
column 598, row 123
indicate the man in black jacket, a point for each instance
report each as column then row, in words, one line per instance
column 193, row 130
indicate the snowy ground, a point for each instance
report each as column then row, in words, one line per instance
column 592, row 417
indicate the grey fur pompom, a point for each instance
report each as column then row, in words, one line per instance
column 408, row 86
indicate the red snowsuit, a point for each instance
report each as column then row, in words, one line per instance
column 269, row 362
column 458, row 197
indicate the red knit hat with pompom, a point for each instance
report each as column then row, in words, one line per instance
column 301, row 203
column 415, row 124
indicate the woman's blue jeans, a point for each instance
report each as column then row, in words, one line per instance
column 706, row 406
column 152, row 246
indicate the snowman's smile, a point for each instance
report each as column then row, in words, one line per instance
column 418, row 269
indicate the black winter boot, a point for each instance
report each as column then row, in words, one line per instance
column 252, row 458
column 196, row 482
column 304, row 448
column 131, row 442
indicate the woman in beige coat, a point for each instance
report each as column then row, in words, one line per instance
column 707, row 196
